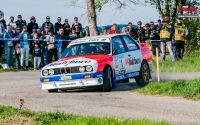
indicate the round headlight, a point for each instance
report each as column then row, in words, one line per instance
column 89, row 68
column 81, row 69
column 51, row 72
column 45, row 72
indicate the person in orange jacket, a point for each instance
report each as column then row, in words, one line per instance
column 114, row 30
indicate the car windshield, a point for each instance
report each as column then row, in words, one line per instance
column 87, row 48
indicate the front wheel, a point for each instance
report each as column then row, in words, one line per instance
column 52, row 90
column 143, row 78
column 107, row 79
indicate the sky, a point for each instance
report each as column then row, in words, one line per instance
column 60, row 8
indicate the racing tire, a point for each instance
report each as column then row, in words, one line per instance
column 143, row 78
column 52, row 90
column 107, row 79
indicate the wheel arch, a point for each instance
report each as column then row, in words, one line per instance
column 144, row 60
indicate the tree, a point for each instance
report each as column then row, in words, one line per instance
column 170, row 7
column 97, row 5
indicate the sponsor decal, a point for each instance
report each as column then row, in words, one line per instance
column 67, row 84
column 69, row 62
column 122, row 70
column 117, row 57
column 93, row 40
column 124, row 76
column 188, row 12
column 132, row 61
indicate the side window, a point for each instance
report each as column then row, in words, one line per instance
column 130, row 43
column 117, row 45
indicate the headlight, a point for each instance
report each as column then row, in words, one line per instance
column 88, row 68
column 81, row 69
column 45, row 72
column 51, row 72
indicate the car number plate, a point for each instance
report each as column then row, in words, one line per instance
column 65, row 77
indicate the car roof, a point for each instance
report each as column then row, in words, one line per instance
column 101, row 36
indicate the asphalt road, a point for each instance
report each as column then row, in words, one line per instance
column 118, row 103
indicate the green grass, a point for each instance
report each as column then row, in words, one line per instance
column 187, row 64
column 184, row 88
column 10, row 115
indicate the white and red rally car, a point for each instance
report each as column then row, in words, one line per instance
column 98, row 61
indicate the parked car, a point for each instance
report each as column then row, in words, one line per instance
column 98, row 61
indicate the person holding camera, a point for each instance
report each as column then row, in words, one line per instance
column 180, row 33
column 154, row 36
column 20, row 22
column 11, row 23
column 24, row 47
column 166, row 34
column 78, row 27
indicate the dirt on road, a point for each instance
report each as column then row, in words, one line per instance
column 118, row 103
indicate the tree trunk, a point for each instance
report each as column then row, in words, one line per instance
column 92, row 18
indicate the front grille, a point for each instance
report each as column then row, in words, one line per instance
column 58, row 71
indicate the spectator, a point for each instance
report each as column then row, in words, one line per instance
column 52, row 50
column 9, row 46
column 140, row 32
column 20, row 22
column 124, row 30
column 57, row 25
column 11, row 23
column 154, row 35
column 73, row 35
column 159, row 25
column 66, row 28
column 180, row 32
column 147, row 35
column 114, row 30
column 77, row 26
column 39, row 33
column 61, row 44
column 47, row 24
column 131, row 31
column 25, row 46
column 17, row 48
column 37, row 56
column 166, row 38
column 87, row 32
column 2, row 30
column 32, row 26
column 105, row 31
column 45, row 46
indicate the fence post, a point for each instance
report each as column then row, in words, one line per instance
column 157, row 61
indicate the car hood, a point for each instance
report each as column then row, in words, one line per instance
column 92, row 60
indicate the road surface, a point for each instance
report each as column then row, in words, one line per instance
column 118, row 103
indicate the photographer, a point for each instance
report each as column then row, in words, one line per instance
column 154, row 35
column 11, row 23
column 166, row 38
column 179, row 38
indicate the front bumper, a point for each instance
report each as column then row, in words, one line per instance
column 77, row 81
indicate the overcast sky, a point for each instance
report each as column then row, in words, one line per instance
column 55, row 8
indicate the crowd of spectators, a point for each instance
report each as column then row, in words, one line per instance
column 45, row 40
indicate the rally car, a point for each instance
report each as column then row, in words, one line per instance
column 98, row 61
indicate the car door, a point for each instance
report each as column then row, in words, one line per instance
column 119, row 54
column 134, row 59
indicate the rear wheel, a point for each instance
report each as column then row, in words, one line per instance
column 52, row 90
column 143, row 78
column 107, row 79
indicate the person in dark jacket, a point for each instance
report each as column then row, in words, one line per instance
column 154, row 35
column 140, row 32
column 32, row 25
column 64, row 44
column 20, row 22
column 16, row 43
column 47, row 24
column 57, row 25
column 87, row 32
column 66, row 28
column 131, row 31
column 36, row 56
column 77, row 26
column 45, row 46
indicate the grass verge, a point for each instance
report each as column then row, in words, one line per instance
column 10, row 115
column 184, row 88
